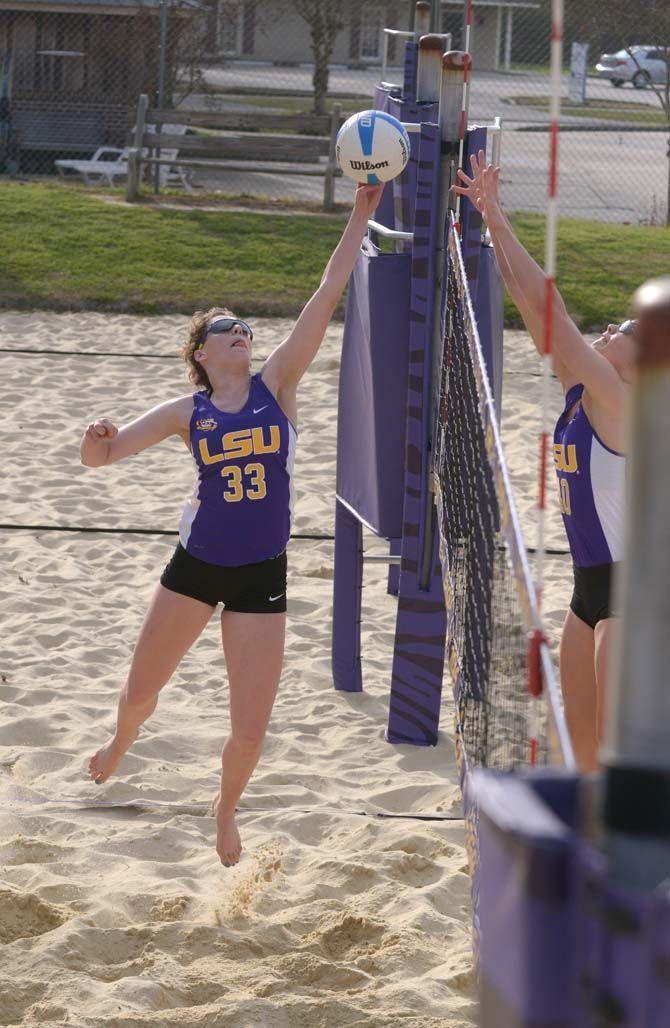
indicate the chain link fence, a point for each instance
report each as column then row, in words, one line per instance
column 71, row 77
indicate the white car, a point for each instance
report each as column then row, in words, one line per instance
column 620, row 67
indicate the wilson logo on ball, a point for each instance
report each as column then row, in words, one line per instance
column 367, row 165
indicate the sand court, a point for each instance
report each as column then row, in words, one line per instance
column 124, row 916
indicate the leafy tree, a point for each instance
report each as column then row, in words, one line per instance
column 324, row 18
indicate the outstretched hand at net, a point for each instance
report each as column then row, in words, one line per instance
column 482, row 189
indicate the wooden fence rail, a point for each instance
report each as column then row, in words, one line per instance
column 284, row 144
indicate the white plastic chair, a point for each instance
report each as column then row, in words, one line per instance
column 105, row 165
column 173, row 174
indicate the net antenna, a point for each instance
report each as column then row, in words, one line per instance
column 547, row 335
column 636, row 755
column 550, row 283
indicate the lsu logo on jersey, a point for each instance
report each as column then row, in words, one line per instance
column 243, row 443
column 565, row 458
column 205, row 424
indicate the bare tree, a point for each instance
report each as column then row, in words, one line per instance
column 324, row 18
column 187, row 45
column 646, row 22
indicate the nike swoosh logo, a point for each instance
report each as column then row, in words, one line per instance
column 259, row 409
column 273, row 598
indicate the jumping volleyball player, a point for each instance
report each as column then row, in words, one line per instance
column 241, row 430
column 589, row 441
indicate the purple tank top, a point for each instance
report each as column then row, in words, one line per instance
column 240, row 510
column 592, row 487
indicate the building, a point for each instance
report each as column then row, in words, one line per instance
column 76, row 68
column 272, row 30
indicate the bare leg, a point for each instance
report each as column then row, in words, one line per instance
column 172, row 624
column 253, row 645
column 578, row 685
column 604, row 641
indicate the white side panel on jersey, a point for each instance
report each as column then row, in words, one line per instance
column 290, row 463
column 608, row 482
column 188, row 517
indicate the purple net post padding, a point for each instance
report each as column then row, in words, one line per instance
column 622, row 950
column 384, row 213
column 418, row 659
column 484, row 279
column 405, row 185
column 373, row 391
column 471, row 219
column 410, row 70
column 560, row 945
column 524, row 911
column 490, row 315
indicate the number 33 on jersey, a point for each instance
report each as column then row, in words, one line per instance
column 240, row 510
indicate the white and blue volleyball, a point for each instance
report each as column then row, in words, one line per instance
column 372, row 147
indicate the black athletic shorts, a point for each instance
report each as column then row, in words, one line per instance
column 591, row 598
column 249, row 589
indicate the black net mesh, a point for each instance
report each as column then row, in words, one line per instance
column 486, row 578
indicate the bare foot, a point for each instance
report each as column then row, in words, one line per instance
column 228, row 842
column 104, row 763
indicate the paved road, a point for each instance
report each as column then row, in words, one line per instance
column 488, row 93
column 609, row 175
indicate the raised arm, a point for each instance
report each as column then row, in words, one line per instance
column 289, row 361
column 573, row 359
column 104, row 443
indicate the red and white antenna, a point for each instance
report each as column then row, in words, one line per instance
column 550, row 273
column 536, row 640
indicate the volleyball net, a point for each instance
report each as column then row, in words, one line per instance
column 506, row 694
column 507, row 710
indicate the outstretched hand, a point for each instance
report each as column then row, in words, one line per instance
column 482, row 189
column 367, row 198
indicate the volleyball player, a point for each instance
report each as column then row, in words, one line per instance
column 241, row 429
column 589, row 448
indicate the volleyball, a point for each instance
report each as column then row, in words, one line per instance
column 372, row 147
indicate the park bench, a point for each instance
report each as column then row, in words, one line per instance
column 286, row 144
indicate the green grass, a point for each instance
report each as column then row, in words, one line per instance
column 605, row 110
column 64, row 248
column 599, row 265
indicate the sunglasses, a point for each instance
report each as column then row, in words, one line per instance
column 226, row 325
column 627, row 328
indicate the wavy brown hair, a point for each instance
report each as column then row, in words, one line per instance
column 197, row 331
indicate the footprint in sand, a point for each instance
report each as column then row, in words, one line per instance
column 415, row 870
column 344, row 935
column 307, row 970
column 24, row 916
column 20, row 850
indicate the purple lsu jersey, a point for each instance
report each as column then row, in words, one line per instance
column 240, row 510
column 592, row 487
